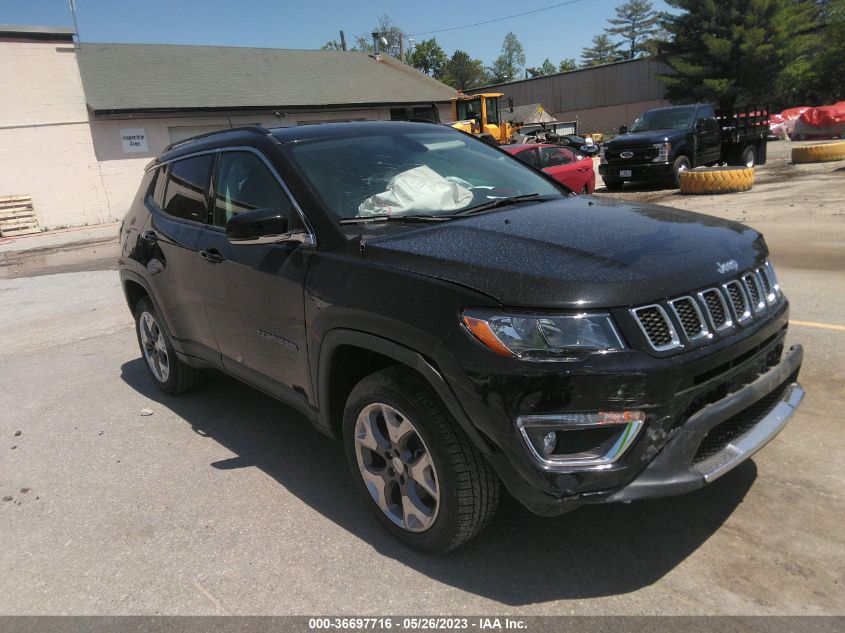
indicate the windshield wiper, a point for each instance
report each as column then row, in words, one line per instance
column 363, row 219
column 500, row 202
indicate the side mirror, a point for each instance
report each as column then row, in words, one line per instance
column 623, row 129
column 259, row 226
column 701, row 125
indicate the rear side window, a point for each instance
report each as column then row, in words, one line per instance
column 186, row 195
column 529, row 157
column 244, row 183
column 146, row 192
column 555, row 156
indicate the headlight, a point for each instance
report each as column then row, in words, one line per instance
column 662, row 152
column 543, row 336
column 602, row 159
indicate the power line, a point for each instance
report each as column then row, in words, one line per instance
column 507, row 17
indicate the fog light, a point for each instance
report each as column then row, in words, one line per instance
column 579, row 441
column 549, row 442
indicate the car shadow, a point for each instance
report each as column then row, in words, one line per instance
column 518, row 559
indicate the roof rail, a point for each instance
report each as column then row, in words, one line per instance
column 256, row 129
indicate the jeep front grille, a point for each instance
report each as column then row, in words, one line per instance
column 657, row 327
column 717, row 309
column 755, row 291
column 692, row 321
column 736, row 294
column 712, row 310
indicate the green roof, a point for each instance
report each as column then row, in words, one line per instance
column 144, row 77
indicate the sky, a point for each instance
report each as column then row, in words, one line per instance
column 556, row 33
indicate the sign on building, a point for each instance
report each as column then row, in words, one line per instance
column 134, row 140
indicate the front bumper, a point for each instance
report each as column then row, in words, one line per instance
column 767, row 404
column 644, row 171
column 684, row 398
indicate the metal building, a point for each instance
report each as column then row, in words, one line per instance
column 600, row 98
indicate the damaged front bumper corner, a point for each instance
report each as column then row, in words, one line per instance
column 750, row 418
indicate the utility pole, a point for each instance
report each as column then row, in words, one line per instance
column 73, row 13
column 342, row 41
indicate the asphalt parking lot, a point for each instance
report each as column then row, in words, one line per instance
column 224, row 501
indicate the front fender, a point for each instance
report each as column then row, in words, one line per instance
column 404, row 355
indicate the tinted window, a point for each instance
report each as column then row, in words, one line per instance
column 187, row 188
column 148, row 186
column 664, row 119
column 245, row 183
column 529, row 157
column 355, row 171
column 706, row 112
column 554, row 156
column 469, row 109
column 492, row 110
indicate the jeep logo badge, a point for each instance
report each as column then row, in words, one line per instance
column 626, row 155
column 728, row 266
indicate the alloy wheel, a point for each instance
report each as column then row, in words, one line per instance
column 155, row 349
column 397, row 467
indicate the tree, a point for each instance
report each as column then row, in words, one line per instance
column 813, row 72
column 463, row 72
column 386, row 29
column 546, row 68
column 331, row 45
column 567, row 65
column 428, row 57
column 635, row 23
column 603, row 51
column 733, row 52
column 506, row 66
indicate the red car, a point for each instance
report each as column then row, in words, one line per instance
column 561, row 163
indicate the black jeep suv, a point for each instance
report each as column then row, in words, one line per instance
column 459, row 320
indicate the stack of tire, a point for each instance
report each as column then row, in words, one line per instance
column 710, row 180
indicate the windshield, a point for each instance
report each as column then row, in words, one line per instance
column 469, row 109
column 400, row 171
column 670, row 119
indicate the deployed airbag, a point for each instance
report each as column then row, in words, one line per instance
column 419, row 190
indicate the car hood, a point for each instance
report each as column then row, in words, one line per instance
column 645, row 138
column 573, row 253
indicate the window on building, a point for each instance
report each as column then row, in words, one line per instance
column 187, row 188
column 416, row 112
column 244, row 183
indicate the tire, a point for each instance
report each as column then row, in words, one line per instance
column 166, row 370
column 749, row 157
column 825, row 152
column 710, row 180
column 682, row 164
column 613, row 185
column 456, row 494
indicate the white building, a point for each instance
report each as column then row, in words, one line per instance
column 78, row 122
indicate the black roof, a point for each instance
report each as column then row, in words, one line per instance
column 255, row 135
column 354, row 128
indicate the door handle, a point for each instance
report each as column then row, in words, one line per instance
column 211, row 256
column 149, row 236
column 583, row 168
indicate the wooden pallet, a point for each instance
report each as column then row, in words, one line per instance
column 17, row 217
